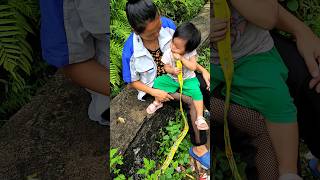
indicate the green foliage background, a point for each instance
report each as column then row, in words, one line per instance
column 306, row 10
column 21, row 68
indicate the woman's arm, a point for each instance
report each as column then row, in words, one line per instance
column 263, row 13
column 307, row 42
column 205, row 74
column 161, row 95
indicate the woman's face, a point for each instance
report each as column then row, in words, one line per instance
column 178, row 46
column 152, row 30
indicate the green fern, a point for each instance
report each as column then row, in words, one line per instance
column 120, row 30
column 16, row 54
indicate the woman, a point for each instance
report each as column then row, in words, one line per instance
column 141, row 63
column 303, row 86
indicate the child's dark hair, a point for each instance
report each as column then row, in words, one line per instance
column 190, row 33
column 139, row 13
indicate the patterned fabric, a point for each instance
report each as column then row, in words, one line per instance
column 157, row 55
column 251, row 123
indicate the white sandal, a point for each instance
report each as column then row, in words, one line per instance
column 153, row 107
column 201, row 123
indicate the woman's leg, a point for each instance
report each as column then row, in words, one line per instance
column 253, row 124
column 198, row 137
column 204, row 91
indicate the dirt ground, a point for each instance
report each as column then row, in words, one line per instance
column 52, row 137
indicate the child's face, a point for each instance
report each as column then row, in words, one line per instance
column 178, row 45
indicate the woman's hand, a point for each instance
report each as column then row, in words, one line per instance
column 219, row 29
column 161, row 96
column 309, row 47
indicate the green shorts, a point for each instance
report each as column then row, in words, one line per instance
column 191, row 87
column 259, row 83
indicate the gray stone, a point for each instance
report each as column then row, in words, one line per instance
column 52, row 138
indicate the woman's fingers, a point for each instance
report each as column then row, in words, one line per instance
column 315, row 82
column 318, row 88
column 219, row 24
column 219, row 29
column 169, row 97
column 218, row 35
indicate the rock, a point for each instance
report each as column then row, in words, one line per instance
column 52, row 138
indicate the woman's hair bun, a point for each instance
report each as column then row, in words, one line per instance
column 133, row 1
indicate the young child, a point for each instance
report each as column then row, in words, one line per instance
column 185, row 40
column 259, row 80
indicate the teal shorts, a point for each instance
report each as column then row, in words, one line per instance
column 259, row 83
column 191, row 87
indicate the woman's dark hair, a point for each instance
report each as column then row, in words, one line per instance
column 139, row 13
column 190, row 33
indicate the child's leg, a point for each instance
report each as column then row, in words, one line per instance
column 191, row 87
column 200, row 122
column 284, row 138
column 199, row 107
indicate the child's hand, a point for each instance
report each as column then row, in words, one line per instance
column 218, row 29
column 176, row 71
column 176, row 56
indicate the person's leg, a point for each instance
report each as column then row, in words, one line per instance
column 88, row 45
column 191, row 87
column 89, row 74
column 252, row 123
column 204, row 91
column 284, row 138
column 198, row 137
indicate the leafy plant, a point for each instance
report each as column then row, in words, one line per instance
column 22, row 71
column 179, row 167
column 17, row 18
column 222, row 169
column 306, row 10
column 204, row 58
column 180, row 10
column 120, row 30
column 116, row 159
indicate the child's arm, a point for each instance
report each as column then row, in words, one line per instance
column 171, row 70
column 263, row 13
column 191, row 63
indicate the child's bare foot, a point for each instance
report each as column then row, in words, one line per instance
column 153, row 107
column 201, row 123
